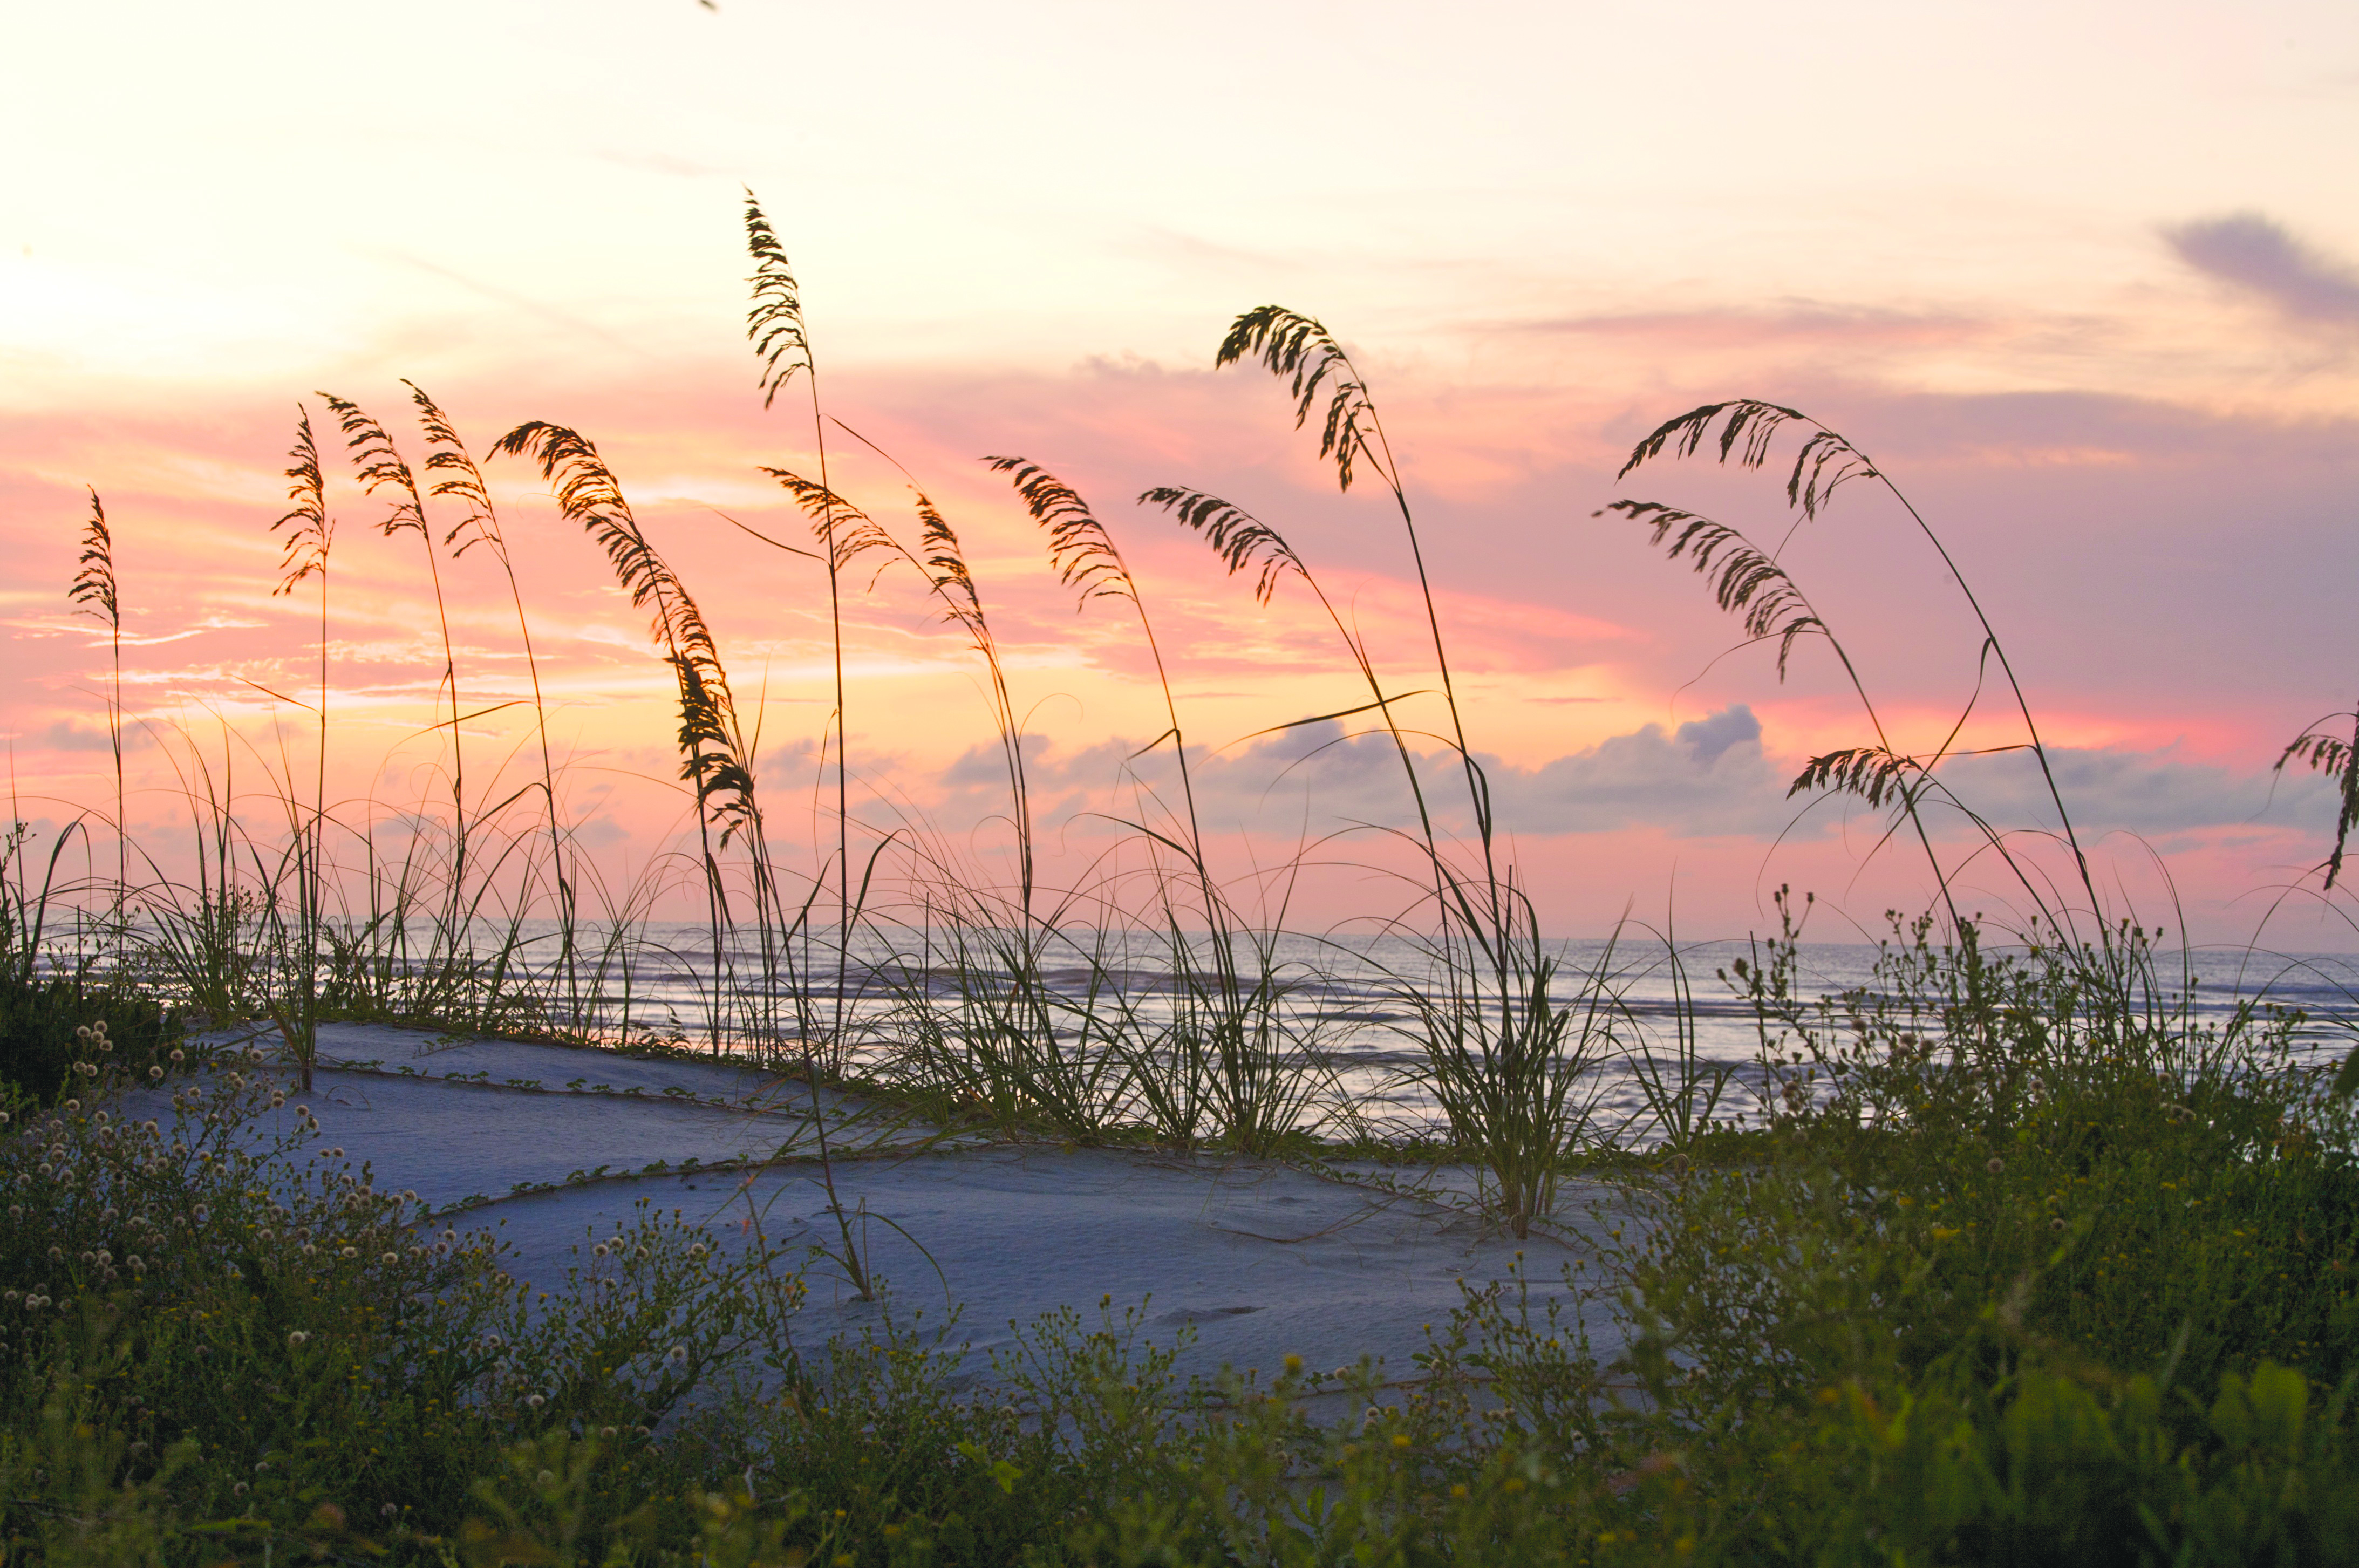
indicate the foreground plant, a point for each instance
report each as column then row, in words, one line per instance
column 262, row 1328
column 294, row 1004
column 1504, row 1054
column 2020, row 1270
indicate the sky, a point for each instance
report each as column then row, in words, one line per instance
column 2081, row 280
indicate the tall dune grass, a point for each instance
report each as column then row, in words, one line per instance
column 1143, row 998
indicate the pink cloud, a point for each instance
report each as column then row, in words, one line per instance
column 2160, row 575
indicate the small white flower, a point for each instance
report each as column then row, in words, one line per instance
column 536, row 1401
column 297, row 1337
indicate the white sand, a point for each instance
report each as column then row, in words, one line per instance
column 1262, row 1259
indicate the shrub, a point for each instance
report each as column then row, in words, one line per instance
column 256, row 1331
column 41, row 1042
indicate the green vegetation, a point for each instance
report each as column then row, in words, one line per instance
column 2048, row 1274
column 2008, row 1255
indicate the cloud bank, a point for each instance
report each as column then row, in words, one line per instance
column 1708, row 777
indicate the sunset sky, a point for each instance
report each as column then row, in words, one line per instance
column 2084, row 281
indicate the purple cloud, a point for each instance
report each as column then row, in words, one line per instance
column 2258, row 254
